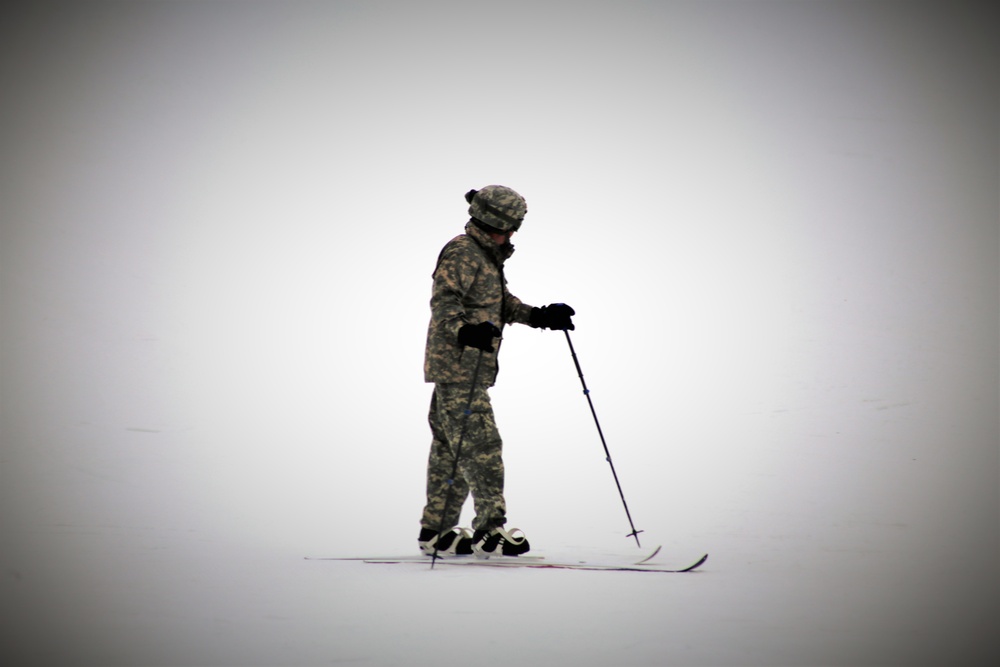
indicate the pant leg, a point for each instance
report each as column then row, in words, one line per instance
column 440, row 464
column 481, row 459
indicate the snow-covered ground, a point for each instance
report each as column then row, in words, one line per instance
column 778, row 223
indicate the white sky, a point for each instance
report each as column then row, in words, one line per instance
column 778, row 223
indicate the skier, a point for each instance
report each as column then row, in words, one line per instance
column 470, row 305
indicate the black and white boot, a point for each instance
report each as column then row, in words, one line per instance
column 455, row 542
column 499, row 542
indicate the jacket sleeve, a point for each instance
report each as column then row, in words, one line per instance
column 515, row 310
column 454, row 275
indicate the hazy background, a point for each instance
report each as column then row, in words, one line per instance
column 777, row 221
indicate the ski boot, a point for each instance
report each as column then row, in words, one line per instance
column 499, row 542
column 455, row 542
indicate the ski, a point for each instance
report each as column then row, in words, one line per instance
column 583, row 565
column 420, row 558
column 650, row 556
column 642, row 565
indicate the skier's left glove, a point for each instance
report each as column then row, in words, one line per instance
column 553, row 316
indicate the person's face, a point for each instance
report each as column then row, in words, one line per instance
column 500, row 239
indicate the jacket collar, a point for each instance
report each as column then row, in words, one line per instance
column 498, row 253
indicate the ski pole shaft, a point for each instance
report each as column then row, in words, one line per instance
column 586, row 392
column 458, row 453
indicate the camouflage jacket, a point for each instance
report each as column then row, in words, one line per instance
column 469, row 288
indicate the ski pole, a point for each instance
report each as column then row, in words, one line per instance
column 458, row 453
column 586, row 392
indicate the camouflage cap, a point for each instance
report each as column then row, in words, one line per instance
column 497, row 206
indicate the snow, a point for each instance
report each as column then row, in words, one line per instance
column 777, row 222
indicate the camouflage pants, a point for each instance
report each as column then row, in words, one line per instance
column 480, row 465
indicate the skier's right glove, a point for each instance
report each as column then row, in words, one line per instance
column 479, row 336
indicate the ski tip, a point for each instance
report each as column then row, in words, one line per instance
column 650, row 556
column 701, row 561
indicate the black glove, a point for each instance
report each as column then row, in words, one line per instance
column 553, row 316
column 479, row 336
